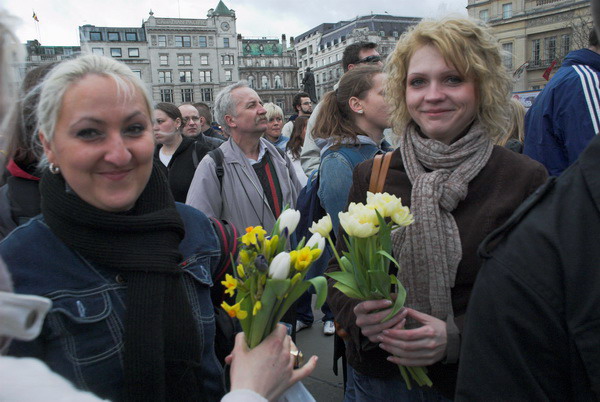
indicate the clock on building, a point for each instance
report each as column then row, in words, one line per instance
column 225, row 26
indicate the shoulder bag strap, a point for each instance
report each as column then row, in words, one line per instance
column 381, row 164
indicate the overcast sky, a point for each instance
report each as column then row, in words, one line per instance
column 60, row 19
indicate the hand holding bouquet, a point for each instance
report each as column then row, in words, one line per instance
column 364, row 268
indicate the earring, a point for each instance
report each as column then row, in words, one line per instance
column 53, row 168
column 360, row 111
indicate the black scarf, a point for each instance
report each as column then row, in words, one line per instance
column 162, row 345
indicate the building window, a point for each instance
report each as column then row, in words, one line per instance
column 166, row 95
column 187, row 95
column 207, row 94
column 264, row 82
column 550, row 48
column 227, row 59
column 276, row 63
column 184, row 59
column 565, row 44
column 165, row 77
column 185, row 76
column 133, row 52
column 251, row 81
column 98, row 50
column 95, row 36
column 484, row 15
column 225, row 42
column 163, row 59
column 204, row 59
column 113, row 36
column 228, row 75
column 535, row 53
column 49, row 50
column 131, row 36
column 115, row 52
column 506, row 10
column 183, row 41
column 202, row 41
column 67, row 51
column 205, row 76
column 138, row 73
column 278, row 82
column 162, row 40
column 507, row 57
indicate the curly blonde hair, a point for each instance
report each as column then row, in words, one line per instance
column 470, row 47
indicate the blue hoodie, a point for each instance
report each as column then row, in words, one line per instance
column 565, row 116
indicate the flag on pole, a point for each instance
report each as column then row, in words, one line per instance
column 546, row 74
column 34, row 16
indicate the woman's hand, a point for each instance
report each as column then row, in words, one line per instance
column 268, row 369
column 368, row 318
column 421, row 346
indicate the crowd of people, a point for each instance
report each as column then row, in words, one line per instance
column 110, row 206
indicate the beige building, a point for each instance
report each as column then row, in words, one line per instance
column 179, row 59
column 321, row 48
column 534, row 33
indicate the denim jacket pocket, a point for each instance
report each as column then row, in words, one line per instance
column 197, row 268
column 89, row 329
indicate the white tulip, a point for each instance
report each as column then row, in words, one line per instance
column 316, row 240
column 280, row 266
column 289, row 219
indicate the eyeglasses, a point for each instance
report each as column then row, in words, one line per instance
column 369, row 59
column 194, row 118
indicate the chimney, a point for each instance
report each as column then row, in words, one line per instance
column 283, row 43
column 292, row 42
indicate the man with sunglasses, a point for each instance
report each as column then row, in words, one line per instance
column 355, row 54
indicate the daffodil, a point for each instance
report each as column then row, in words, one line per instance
column 323, row 226
column 302, row 258
column 288, row 219
column 280, row 266
column 234, row 311
column 257, row 307
column 356, row 227
column 230, row 283
column 254, row 234
column 247, row 257
column 240, row 271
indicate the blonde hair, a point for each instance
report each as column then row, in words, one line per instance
column 467, row 45
column 516, row 126
column 272, row 111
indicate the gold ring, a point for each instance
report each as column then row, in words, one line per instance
column 298, row 356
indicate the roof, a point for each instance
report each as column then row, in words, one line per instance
column 222, row 9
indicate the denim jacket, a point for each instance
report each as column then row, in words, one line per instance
column 335, row 175
column 82, row 338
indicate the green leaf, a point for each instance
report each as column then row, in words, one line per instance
column 345, row 278
column 320, row 285
column 350, row 292
column 380, row 283
column 400, row 298
column 295, row 292
column 389, row 257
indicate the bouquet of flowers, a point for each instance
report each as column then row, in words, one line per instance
column 269, row 279
column 364, row 268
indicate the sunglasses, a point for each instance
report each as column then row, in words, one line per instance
column 369, row 59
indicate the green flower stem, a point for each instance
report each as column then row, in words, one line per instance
column 337, row 256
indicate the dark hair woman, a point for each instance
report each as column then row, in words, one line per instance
column 294, row 146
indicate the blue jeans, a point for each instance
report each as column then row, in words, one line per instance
column 364, row 388
column 303, row 308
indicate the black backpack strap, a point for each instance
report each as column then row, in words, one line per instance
column 195, row 160
column 217, row 155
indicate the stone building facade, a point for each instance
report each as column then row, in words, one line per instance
column 270, row 68
column 534, row 33
column 321, row 48
column 179, row 59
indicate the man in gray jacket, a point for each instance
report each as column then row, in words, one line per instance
column 258, row 181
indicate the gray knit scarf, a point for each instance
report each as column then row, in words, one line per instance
column 430, row 250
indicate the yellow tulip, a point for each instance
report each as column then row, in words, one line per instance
column 363, row 213
column 385, row 203
column 403, row 217
column 323, row 226
column 234, row 311
column 355, row 227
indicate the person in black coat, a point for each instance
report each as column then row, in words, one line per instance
column 177, row 156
